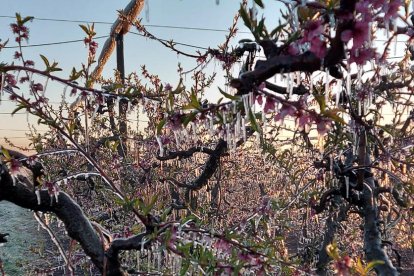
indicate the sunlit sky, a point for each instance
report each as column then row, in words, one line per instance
column 204, row 14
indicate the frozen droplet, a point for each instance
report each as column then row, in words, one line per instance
column 326, row 86
column 44, row 87
column 347, row 186
column 160, row 145
column 348, row 81
column 39, row 200
column 243, row 120
column 3, row 81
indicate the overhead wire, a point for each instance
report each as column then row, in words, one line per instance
column 52, row 43
column 111, row 23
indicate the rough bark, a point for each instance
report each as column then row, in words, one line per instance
column 77, row 225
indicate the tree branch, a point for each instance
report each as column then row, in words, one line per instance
column 184, row 153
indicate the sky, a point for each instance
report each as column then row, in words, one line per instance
column 205, row 14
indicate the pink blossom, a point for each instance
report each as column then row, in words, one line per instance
column 284, row 111
column 269, row 105
column 32, row 160
column 323, row 126
column 37, row 87
column 343, row 265
column 304, row 121
column 362, row 55
column 313, row 34
column 84, row 94
column 346, row 35
column 262, row 86
column 11, row 80
column 168, row 87
column 313, row 29
column 29, row 63
column 259, row 99
column 174, row 121
column 73, row 92
column 318, row 47
column 293, row 49
column 359, row 34
column 24, row 79
column 14, row 167
column 391, row 9
column 377, row 3
column 363, row 8
column 17, row 55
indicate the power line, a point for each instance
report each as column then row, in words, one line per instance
column 100, row 37
column 53, row 43
column 11, row 129
column 174, row 42
column 111, row 23
column 9, row 113
column 3, row 100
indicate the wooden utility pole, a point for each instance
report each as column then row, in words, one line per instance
column 123, row 103
column 116, row 40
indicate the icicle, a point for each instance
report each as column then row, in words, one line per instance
column 159, row 261
column 331, row 165
column 254, row 12
column 94, row 112
column 194, row 128
column 354, row 145
column 177, row 140
column 3, row 81
column 148, row 260
column 347, row 186
column 348, row 81
column 311, row 84
column 369, row 34
column 228, row 133
column 251, row 102
column 387, row 29
column 289, row 84
column 326, row 86
column 237, row 126
column 147, row 11
column 44, row 88
column 212, row 125
column 244, row 129
column 161, row 146
column 412, row 6
column 64, row 91
column 56, row 193
column 395, row 41
column 295, row 23
column 39, row 200
column 138, row 260
column 245, row 103
column 338, row 92
column 129, row 105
